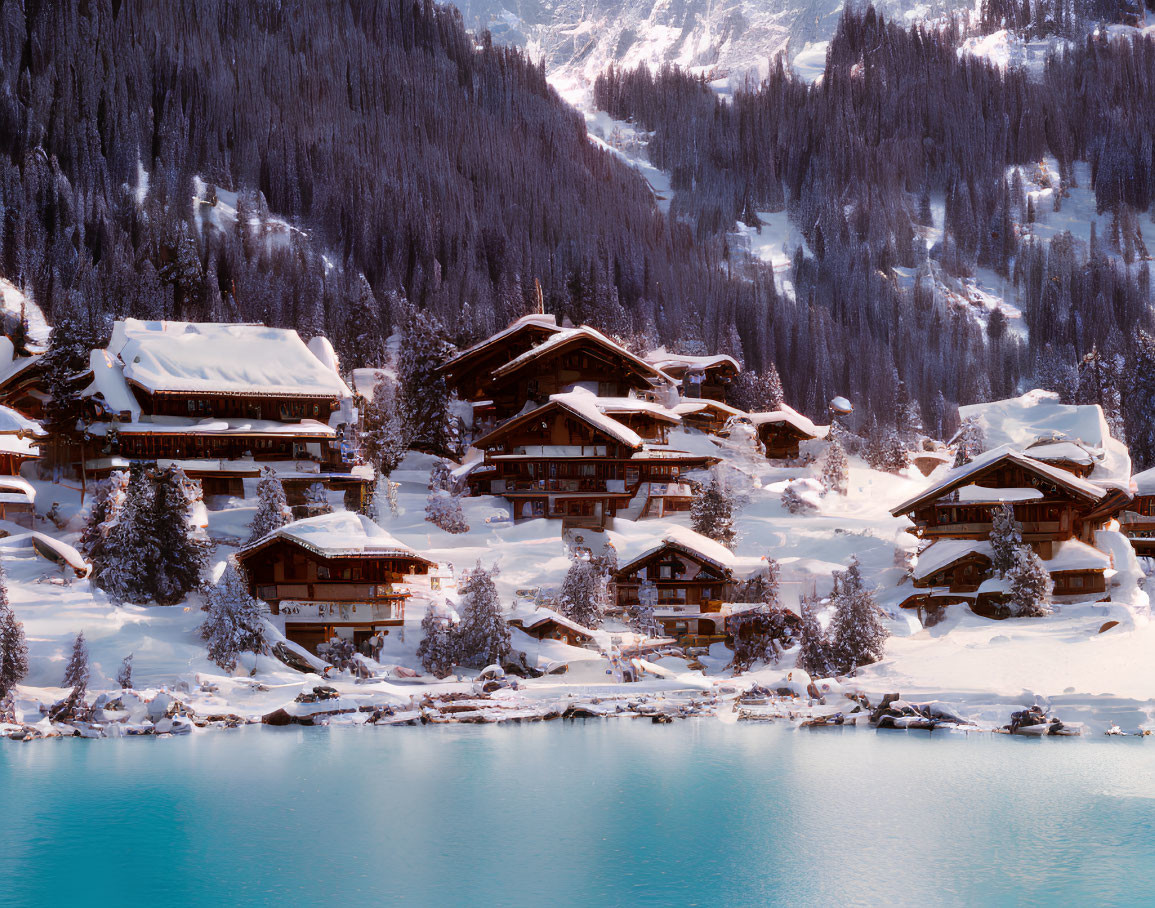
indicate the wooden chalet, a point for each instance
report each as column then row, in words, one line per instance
column 1059, row 512
column 694, row 580
column 337, row 574
column 546, row 624
column 1052, row 504
column 586, row 460
column 22, row 385
column 1138, row 521
column 781, row 432
column 520, row 366
column 223, row 401
column 20, row 440
column 698, row 376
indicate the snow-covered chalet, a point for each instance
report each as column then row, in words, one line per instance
column 222, row 401
column 336, row 574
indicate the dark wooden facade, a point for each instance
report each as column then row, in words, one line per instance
column 318, row 593
column 1138, row 524
column 469, row 372
column 555, row 463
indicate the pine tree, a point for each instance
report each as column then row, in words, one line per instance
column 424, row 395
column 835, row 469
column 1030, row 585
column 971, row 442
column 438, row 650
column 103, row 516
column 273, row 509
column 1006, row 538
column 641, row 615
column 1140, row 403
column 124, row 676
column 13, row 646
column 815, row 656
column 76, row 672
column 582, row 597
column 183, row 546
column 234, row 623
column 132, row 549
column 758, row 392
column 857, row 635
column 484, row 634
column 443, row 510
column 712, row 513
column 383, row 430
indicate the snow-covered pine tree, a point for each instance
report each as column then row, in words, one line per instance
column 103, row 515
column 641, row 614
column 183, row 546
column 424, row 395
column 124, row 676
column 857, row 635
column 438, row 649
column 443, row 509
column 13, row 645
column 131, row 549
column 234, row 623
column 1006, row 538
column 814, row 650
column 273, row 509
column 1140, row 403
column 971, row 442
column 76, row 672
column 835, row 468
column 383, row 430
column 794, row 502
column 582, row 597
column 483, row 632
column 758, row 392
column 1030, row 585
column 317, row 500
column 761, row 635
column 712, row 513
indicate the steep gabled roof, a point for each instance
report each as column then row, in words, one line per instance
column 945, row 552
column 960, row 476
column 697, row 546
column 567, row 337
column 790, row 417
column 698, row 404
column 580, row 404
column 667, row 361
column 526, row 324
column 341, row 533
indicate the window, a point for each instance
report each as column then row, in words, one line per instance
column 267, row 592
column 1075, row 582
column 322, row 572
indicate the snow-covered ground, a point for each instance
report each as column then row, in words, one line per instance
column 983, row 668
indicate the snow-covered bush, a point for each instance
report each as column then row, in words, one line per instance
column 584, row 593
column 970, row 442
column 483, row 632
column 856, row 633
column 794, row 501
column 712, row 513
column 438, row 648
column 1030, row 585
column 815, row 655
column 835, row 468
column 761, row 636
column 443, row 510
column 234, row 624
column 1006, row 538
column 124, row 676
column 272, row 506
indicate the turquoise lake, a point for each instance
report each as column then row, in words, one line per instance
column 577, row 813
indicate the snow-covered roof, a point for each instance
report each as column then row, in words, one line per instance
column 221, row 359
column 17, row 367
column 580, row 403
column 531, row 618
column 790, row 417
column 958, row 477
column 1075, row 555
column 21, row 447
column 184, row 425
column 973, row 494
column 703, row 547
column 686, row 407
column 341, row 533
column 620, row 405
column 1021, row 422
column 321, row 348
column 109, row 385
column 1144, row 483
column 19, row 485
column 667, row 361
column 44, row 545
column 1062, row 452
column 945, row 552
column 13, row 422
column 534, row 319
column 566, row 336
